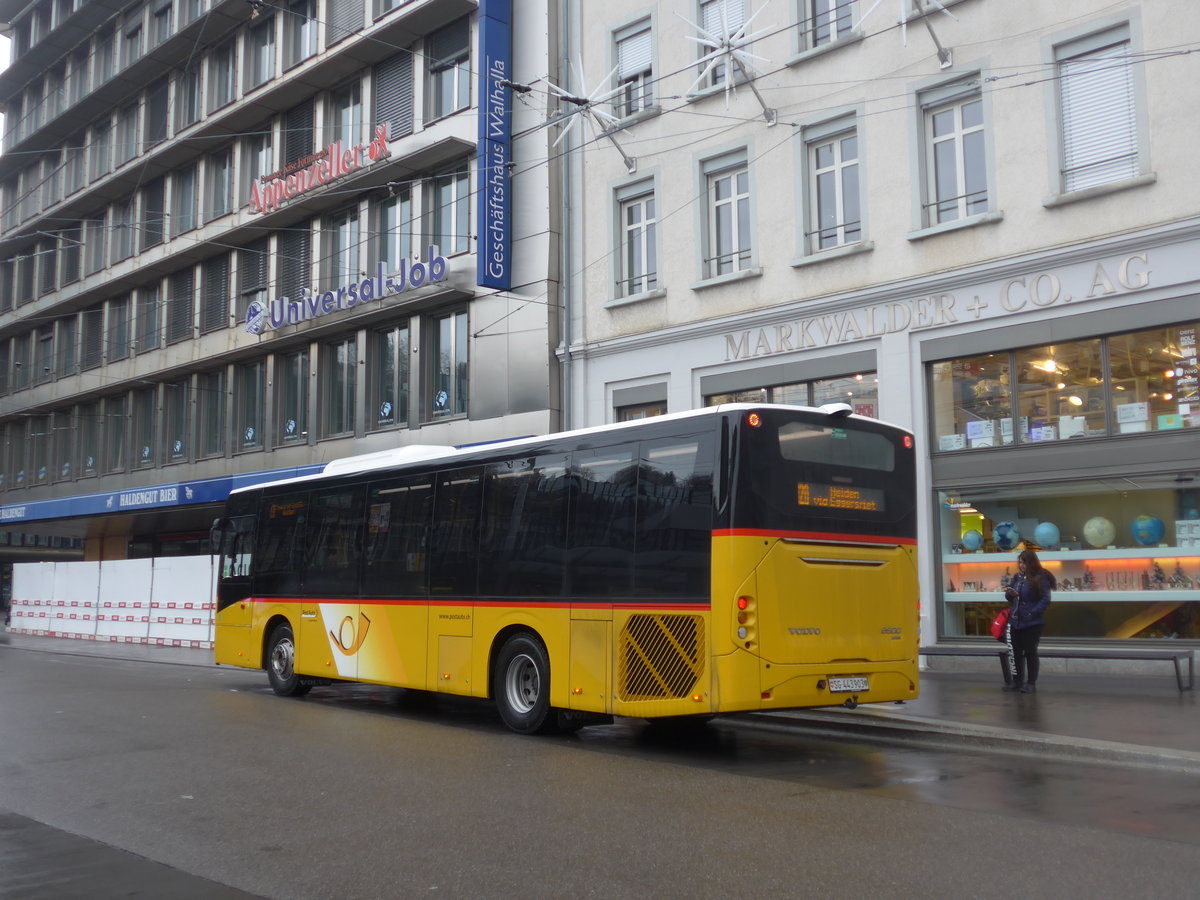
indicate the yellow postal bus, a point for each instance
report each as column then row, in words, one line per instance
column 721, row 560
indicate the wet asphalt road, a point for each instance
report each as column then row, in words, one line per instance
column 122, row 778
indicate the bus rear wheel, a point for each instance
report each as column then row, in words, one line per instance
column 521, row 685
column 281, row 664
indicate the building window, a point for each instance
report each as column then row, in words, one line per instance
column 115, row 430
column 93, row 337
column 338, row 369
column 393, row 230
column 449, row 55
column 257, row 161
column 345, row 116
column 297, row 133
column 639, row 249
column 300, row 25
column 859, row 390
column 451, row 211
column 191, row 10
column 1122, row 384
column 261, row 54
column 249, row 387
column 154, row 213
column 449, row 361
column 100, row 161
column 222, row 76
column 1097, row 111
column 132, row 51
column 127, row 134
column 728, row 245
column 252, row 276
column 187, row 97
column 635, row 69
column 64, row 444
column 39, row 449
column 145, row 409
column 180, row 306
column 160, row 23
column 67, row 362
column 91, row 417
column 105, row 60
column 956, row 156
column 149, row 319
column 220, row 184
column 214, row 308
column 834, row 208
column 123, row 230
column 43, row 354
column 640, row 411
column 292, row 376
column 721, row 19
column 827, row 21
column 95, row 236
column 74, row 170
column 341, row 250
column 388, row 371
column 176, row 413
column 183, row 201
column 118, row 329
column 211, row 403
column 393, row 83
column 157, row 100
column 295, row 270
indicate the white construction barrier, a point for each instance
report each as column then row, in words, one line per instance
column 166, row 601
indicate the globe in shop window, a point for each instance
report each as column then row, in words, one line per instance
column 1125, row 554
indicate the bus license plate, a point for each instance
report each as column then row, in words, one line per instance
column 847, row 685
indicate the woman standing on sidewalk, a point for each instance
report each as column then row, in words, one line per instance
column 1030, row 596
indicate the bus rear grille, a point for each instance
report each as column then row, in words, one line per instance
column 659, row 657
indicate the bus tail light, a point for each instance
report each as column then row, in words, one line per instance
column 747, row 621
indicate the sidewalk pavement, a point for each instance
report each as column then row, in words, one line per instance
column 1136, row 720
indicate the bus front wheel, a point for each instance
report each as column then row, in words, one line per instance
column 281, row 664
column 521, row 685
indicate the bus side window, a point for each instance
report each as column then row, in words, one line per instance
column 396, row 559
column 237, row 547
column 601, row 527
column 334, row 543
column 674, row 517
column 282, row 521
column 454, row 543
column 522, row 548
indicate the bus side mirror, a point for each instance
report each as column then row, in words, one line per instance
column 216, row 533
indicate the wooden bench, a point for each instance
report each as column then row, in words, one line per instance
column 1176, row 657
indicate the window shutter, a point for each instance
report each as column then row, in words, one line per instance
column 394, row 95
column 215, row 311
column 1098, row 118
column 179, row 313
column 252, row 267
column 735, row 15
column 450, row 42
column 298, row 132
column 347, row 19
column 633, row 54
column 93, row 337
column 294, row 262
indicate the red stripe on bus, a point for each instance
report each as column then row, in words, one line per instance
column 815, row 536
column 642, row 605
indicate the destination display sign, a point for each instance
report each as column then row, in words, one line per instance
column 837, row 496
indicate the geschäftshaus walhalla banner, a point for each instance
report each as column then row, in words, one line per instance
column 494, row 251
column 276, row 189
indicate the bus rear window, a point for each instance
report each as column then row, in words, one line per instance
column 833, row 445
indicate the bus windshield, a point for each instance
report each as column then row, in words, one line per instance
column 807, row 472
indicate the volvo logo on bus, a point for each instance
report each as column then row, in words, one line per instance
column 804, row 631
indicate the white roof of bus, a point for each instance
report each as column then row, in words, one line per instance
column 397, row 456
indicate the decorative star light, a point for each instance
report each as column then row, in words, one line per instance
column 590, row 108
column 727, row 48
column 944, row 54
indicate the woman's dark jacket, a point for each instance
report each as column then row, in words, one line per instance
column 1033, row 597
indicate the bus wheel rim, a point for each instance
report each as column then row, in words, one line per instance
column 283, row 659
column 522, row 684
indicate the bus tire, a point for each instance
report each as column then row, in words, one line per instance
column 281, row 663
column 521, row 685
